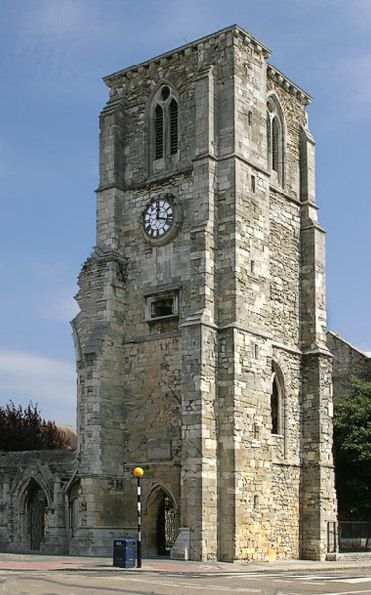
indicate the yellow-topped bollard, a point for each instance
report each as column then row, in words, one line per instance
column 138, row 472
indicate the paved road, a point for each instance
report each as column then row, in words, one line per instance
column 137, row 583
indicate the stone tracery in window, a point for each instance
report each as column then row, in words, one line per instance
column 165, row 124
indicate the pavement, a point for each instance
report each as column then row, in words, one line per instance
column 165, row 566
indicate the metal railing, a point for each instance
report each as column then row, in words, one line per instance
column 349, row 536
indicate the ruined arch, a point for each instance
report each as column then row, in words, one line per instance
column 20, row 488
column 34, row 503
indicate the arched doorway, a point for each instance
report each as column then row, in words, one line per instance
column 165, row 526
column 36, row 511
column 160, row 523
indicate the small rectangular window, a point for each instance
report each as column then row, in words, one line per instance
column 162, row 306
column 249, row 117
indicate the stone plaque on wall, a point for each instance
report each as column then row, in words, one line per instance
column 159, row 449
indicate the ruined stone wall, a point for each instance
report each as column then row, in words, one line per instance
column 348, row 361
column 284, row 512
column 189, row 397
column 318, row 497
column 284, row 243
column 252, row 452
column 294, row 118
column 285, row 457
column 140, row 415
column 52, row 471
column 252, row 194
column 268, row 248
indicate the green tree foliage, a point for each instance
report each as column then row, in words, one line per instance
column 352, row 451
column 25, row 429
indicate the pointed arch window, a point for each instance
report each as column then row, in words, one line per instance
column 165, row 124
column 275, row 140
column 277, row 401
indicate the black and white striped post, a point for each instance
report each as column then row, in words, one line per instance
column 138, row 473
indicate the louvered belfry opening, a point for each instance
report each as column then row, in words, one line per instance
column 165, row 118
column 159, row 132
column 173, row 111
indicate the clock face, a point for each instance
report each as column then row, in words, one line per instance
column 158, row 218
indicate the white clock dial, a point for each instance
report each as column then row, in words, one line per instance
column 158, row 218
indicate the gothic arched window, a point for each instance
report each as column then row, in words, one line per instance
column 275, row 139
column 277, row 401
column 165, row 123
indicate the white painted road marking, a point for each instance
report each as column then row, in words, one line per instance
column 357, row 580
column 368, row 591
column 156, row 583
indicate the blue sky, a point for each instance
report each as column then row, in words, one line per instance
column 53, row 54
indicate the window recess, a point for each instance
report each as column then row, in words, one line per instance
column 162, row 306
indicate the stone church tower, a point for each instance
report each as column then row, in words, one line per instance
column 201, row 340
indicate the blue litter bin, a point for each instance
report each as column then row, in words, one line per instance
column 124, row 553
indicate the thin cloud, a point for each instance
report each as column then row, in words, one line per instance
column 360, row 10
column 61, row 37
column 55, row 21
column 4, row 161
column 348, row 89
column 47, row 381
column 60, row 308
column 72, row 39
column 357, row 69
column 55, row 287
column 57, row 18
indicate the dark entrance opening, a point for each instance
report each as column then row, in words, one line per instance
column 36, row 514
column 165, row 526
column 73, row 509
